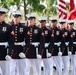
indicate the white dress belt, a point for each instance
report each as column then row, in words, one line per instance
column 35, row 43
column 66, row 43
column 58, row 43
column 74, row 43
column 46, row 45
column 4, row 43
column 19, row 43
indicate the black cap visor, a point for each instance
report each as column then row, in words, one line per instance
column 61, row 22
column 41, row 21
column 2, row 12
column 71, row 23
column 32, row 18
column 53, row 20
column 17, row 15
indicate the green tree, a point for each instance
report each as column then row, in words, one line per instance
column 48, row 10
column 35, row 4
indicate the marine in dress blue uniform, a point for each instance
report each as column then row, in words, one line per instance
column 20, row 44
column 47, row 52
column 65, row 46
column 5, row 42
column 56, row 53
column 72, row 44
column 36, row 44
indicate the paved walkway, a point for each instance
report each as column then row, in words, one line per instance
column 54, row 72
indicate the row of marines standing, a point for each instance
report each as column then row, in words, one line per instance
column 18, row 41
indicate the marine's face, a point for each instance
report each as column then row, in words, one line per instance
column 31, row 21
column 53, row 24
column 70, row 26
column 17, row 20
column 43, row 24
column 2, row 17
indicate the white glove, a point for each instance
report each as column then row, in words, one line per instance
column 22, row 55
column 8, row 57
column 39, row 56
column 48, row 54
column 59, row 53
column 75, row 52
column 69, row 53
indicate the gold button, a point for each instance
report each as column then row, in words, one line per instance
column 15, row 39
column 30, row 40
column 12, row 50
column 30, row 35
column 31, row 30
column 16, row 26
column 15, row 34
column 15, row 31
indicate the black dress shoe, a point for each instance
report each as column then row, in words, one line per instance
column 42, row 68
column 54, row 67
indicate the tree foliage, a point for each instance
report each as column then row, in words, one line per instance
column 35, row 4
column 8, row 3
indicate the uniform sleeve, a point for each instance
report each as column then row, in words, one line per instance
column 27, row 40
column 62, row 41
column 70, row 41
column 51, row 40
column 11, row 43
column 42, row 41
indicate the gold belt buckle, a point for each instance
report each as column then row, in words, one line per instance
column 16, row 43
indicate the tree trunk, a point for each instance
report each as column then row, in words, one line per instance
column 25, row 9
